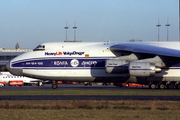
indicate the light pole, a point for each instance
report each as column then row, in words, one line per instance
column 66, row 30
column 74, row 30
column 158, row 25
column 167, row 28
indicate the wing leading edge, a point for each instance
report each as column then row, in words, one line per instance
column 144, row 48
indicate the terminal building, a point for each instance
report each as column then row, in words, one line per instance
column 7, row 54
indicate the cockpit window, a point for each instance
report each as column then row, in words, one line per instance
column 39, row 48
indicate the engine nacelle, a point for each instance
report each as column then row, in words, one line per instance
column 141, row 69
column 114, row 66
column 136, row 69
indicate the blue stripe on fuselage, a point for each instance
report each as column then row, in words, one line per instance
column 61, row 62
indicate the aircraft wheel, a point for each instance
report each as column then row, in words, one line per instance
column 170, row 86
column 178, row 86
column 152, row 86
column 54, row 86
column 161, row 86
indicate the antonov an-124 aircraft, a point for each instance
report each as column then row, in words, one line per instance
column 156, row 64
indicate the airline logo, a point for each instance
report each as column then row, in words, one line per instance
column 64, row 53
column 73, row 53
column 56, row 53
column 74, row 63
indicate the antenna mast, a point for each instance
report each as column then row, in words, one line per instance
column 74, row 30
column 66, row 30
column 158, row 25
column 167, row 28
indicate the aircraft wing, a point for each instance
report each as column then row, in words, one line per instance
column 147, row 49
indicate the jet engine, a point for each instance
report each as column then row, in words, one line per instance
column 141, row 69
column 136, row 69
column 116, row 66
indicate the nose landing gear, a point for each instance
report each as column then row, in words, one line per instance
column 54, row 85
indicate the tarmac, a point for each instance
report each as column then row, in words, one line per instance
column 80, row 97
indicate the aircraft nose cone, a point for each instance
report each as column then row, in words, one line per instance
column 8, row 66
column 15, row 71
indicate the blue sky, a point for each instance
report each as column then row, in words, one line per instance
column 32, row 22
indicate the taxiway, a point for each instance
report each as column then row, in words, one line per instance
column 80, row 97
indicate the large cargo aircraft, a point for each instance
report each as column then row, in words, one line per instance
column 156, row 64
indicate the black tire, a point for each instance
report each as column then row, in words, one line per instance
column 161, row 86
column 54, row 86
column 170, row 86
column 152, row 86
column 178, row 86
column 90, row 84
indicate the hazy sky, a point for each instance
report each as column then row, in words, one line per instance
column 32, row 22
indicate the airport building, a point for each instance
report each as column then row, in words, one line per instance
column 7, row 54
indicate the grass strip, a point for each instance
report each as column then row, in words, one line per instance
column 89, row 110
column 91, row 114
column 92, row 104
column 93, row 92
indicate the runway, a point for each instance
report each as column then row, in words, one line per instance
column 88, row 97
column 80, row 97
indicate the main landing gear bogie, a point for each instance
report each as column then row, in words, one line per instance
column 163, row 85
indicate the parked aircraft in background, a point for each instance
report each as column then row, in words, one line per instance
column 156, row 64
column 8, row 79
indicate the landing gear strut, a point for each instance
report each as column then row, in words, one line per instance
column 54, row 85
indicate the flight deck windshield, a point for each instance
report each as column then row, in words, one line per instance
column 39, row 48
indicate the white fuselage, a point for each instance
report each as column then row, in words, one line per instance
column 73, row 62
